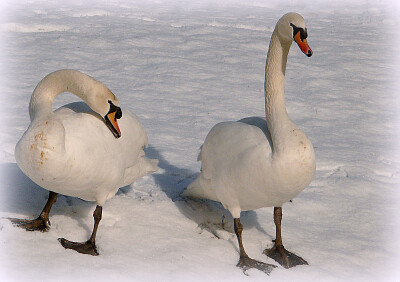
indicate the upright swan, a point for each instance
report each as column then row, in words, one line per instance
column 255, row 163
column 79, row 151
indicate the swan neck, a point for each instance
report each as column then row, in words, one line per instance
column 275, row 69
column 56, row 83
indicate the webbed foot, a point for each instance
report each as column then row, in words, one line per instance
column 284, row 257
column 42, row 223
column 88, row 247
column 38, row 224
column 246, row 263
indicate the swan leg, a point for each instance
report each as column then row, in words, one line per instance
column 245, row 262
column 278, row 251
column 88, row 247
column 42, row 223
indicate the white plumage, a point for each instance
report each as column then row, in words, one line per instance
column 240, row 169
column 257, row 162
column 72, row 151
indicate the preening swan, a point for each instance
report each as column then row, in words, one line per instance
column 255, row 163
column 79, row 151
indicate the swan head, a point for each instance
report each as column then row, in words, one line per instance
column 107, row 106
column 291, row 27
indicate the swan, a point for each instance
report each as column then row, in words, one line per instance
column 81, row 150
column 255, row 163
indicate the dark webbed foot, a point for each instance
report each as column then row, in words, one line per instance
column 246, row 263
column 284, row 257
column 278, row 252
column 42, row 223
column 38, row 224
column 88, row 247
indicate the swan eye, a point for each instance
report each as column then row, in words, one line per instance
column 115, row 109
column 303, row 32
column 118, row 114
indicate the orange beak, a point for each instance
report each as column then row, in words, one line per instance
column 303, row 45
column 112, row 123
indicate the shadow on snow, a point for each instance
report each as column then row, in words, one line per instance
column 21, row 197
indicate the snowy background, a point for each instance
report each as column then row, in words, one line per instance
column 183, row 66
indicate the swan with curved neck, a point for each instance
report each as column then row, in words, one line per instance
column 85, row 150
column 255, row 162
column 99, row 98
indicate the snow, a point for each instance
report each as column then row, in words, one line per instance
column 183, row 66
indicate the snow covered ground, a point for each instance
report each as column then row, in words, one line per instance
column 183, row 66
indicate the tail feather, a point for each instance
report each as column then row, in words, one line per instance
column 200, row 188
column 194, row 189
column 151, row 165
column 143, row 167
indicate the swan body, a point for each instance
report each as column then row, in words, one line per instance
column 85, row 150
column 240, row 170
column 72, row 152
column 256, row 162
column 259, row 162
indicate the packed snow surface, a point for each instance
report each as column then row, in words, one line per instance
column 183, row 66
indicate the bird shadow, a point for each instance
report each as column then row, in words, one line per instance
column 208, row 214
column 21, row 197
column 171, row 179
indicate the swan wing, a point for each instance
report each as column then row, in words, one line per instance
column 228, row 144
column 95, row 163
column 229, row 151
